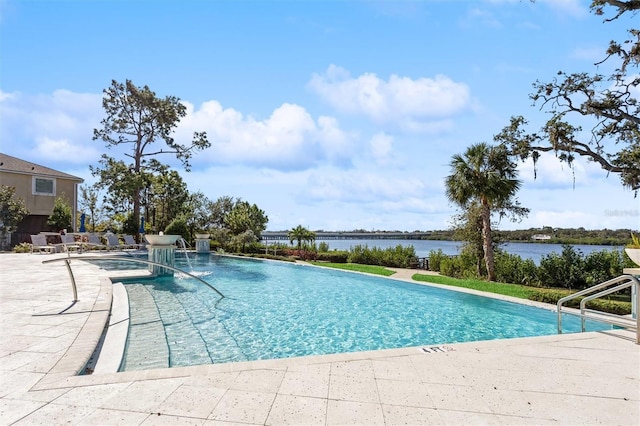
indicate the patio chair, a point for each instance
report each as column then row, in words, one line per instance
column 69, row 243
column 130, row 241
column 113, row 242
column 39, row 244
column 93, row 241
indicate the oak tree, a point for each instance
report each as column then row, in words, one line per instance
column 608, row 104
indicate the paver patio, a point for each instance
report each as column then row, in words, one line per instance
column 45, row 340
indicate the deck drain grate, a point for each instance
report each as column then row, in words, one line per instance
column 437, row 349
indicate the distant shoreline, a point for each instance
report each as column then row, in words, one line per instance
column 604, row 237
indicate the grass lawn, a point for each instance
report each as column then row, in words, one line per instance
column 515, row 290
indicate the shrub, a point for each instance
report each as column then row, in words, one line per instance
column 323, row 247
column 565, row 270
column 253, row 248
column 571, row 269
column 61, row 216
column 214, row 245
column 435, row 259
column 333, row 256
column 603, row 265
column 451, row 267
column 397, row 257
column 465, row 265
column 511, row 268
column 22, row 248
column 301, row 254
column 177, row 227
column 604, row 305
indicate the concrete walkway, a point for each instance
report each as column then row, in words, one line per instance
column 45, row 340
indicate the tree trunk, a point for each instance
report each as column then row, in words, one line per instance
column 138, row 190
column 487, row 241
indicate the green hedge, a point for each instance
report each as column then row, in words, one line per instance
column 552, row 296
column 570, row 269
column 395, row 257
column 545, row 295
column 333, row 256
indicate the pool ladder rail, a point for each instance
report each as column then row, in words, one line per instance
column 67, row 261
column 603, row 289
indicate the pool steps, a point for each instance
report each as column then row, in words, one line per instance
column 163, row 330
column 147, row 344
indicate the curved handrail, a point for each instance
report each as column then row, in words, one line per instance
column 623, row 281
column 130, row 259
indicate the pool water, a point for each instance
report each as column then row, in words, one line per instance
column 279, row 310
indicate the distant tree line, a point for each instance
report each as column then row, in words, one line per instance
column 605, row 237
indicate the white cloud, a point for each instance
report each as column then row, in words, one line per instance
column 60, row 124
column 337, row 143
column 59, row 127
column 551, row 173
column 64, row 150
column 600, row 217
column 288, row 139
column 560, row 218
column 382, row 148
column 361, row 187
column 4, row 96
column 402, row 101
column 415, row 204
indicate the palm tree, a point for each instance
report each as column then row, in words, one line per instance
column 486, row 175
column 301, row 234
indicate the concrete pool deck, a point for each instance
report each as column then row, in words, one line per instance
column 45, row 340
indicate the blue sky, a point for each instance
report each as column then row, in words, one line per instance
column 335, row 115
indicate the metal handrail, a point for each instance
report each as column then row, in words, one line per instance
column 626, row 280
column 606, row 292
column 129, row 259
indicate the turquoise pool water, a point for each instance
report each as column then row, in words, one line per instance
column 278, row 310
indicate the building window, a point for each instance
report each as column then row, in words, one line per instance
column 44, row 186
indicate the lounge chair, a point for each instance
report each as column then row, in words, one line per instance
column 93, row 241
column 113, row 242
column 39, row 244
column 69, row 243
column 130, row 241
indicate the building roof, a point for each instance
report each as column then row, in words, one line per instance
column 11, row 164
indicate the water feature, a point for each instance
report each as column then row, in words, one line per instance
column 203, row 244
column 162, row 249
column 182, row 242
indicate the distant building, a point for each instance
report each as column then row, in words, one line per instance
column 38, row 186
column 540, row 237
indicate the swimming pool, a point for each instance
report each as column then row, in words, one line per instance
column 279, row 310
